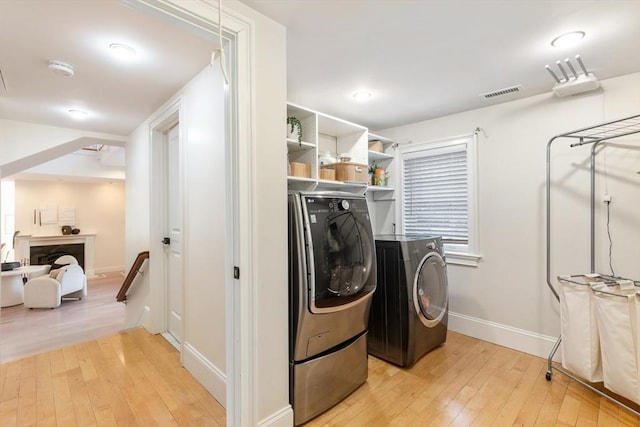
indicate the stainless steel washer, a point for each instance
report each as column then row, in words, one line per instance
column 332, row 277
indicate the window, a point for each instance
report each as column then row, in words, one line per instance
column 439, row 194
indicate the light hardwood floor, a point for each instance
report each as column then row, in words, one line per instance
column 134, row 378
column 468, row 382
column 129, row 379
column 25, row 332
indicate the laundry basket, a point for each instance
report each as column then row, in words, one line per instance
column 618, row 313
column 580, row 345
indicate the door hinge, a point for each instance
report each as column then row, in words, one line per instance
column 236, row 272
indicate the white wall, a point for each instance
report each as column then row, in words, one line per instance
column 270, row 213
column 7, row 215
column 99, row 209
column 137, row 231
column 205, row 221
column 505, row 298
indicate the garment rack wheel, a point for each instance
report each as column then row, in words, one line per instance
column 548, row 375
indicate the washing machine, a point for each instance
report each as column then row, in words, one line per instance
column 410, row 306
column 332, row 279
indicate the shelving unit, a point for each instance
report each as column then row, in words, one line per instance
column 385, row 159
column 591, row 135
column 323, row 134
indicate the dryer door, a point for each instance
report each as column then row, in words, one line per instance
column 341, row 246
column 431, row 290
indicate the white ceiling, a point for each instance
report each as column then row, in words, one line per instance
column 420, row 58
column 117, row 95
column 428, row 58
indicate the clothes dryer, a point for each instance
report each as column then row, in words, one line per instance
column 410, row 307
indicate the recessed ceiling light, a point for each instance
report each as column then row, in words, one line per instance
column 78, row 114
column 362, row 96
column 122, row 51
column 61, row 68
column 567, row 39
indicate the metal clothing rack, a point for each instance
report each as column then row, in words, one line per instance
column 591, row 135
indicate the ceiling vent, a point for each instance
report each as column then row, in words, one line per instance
column 502, row 92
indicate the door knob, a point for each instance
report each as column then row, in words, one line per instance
column 166, row 241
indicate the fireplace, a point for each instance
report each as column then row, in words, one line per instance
column 41, row 249
column 48, row 254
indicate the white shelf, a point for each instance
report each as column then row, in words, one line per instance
column 376, row 155
column 379, row 188
column 381, row 194
column 339, row 184
column 293, row 145
column 385, row 141
column 300, row 179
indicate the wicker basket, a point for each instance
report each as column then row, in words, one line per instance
column 302, row 170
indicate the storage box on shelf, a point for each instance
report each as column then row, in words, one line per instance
column 300, row 170
column 348, row 172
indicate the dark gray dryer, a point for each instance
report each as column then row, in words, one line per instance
column 410, row 306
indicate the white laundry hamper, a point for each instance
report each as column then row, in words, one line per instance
column 618, row 315
column 580, row 345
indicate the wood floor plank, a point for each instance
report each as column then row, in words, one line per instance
column 45, row 404
column 9, row 412
column 533, row 368
column 550, row 408
column 62, row 401
column 491, row 386
column 27, row 414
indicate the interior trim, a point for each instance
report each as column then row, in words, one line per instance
column 504, row 335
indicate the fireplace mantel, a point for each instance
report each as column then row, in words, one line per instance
column 24, row 243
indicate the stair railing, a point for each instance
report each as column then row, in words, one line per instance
column 128, row 281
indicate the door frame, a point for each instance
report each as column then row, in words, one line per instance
column 240, row 135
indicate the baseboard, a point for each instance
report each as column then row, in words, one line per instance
column 281, row 418
column 102, row 270
column 214, row 380
column 506, row 336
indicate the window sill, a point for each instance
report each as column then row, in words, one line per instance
column 460, row 258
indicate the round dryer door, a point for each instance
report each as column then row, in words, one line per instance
column 431, row 290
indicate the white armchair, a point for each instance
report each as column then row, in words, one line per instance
column 47, row 291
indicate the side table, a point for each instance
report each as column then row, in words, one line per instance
column 12, row 286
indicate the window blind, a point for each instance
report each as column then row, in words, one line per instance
column 435, row 193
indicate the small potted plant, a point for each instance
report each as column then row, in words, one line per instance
column 294, row 128
column 372, row 171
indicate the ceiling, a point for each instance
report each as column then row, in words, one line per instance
column 422, row 59
column 117, row 95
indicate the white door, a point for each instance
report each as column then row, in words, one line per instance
column 173, row 250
